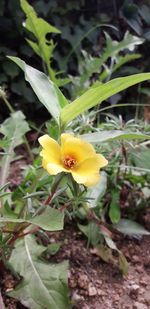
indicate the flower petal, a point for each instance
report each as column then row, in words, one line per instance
column 87, row 172
column 76, row 148
column 88, row 181
column 54, row 169
column 101, row 160
column 51, row 150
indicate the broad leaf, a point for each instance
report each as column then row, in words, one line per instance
column 14, row 129
column 103, row 136
column 98, row 93
column 47, row 92
column 130, row 227
column 50, row 220
column 43, row 285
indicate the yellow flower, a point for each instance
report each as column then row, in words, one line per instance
column 73, row 156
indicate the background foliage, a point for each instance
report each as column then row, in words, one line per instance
column 79, row 23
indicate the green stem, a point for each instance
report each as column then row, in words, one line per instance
column 8, row 104
column 28, row 148
column 51, row 73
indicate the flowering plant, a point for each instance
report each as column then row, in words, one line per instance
column 73, row 156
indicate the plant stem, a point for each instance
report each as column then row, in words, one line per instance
column 8, row 104
column 28, row 148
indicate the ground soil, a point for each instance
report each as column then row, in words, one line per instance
column 93, row 283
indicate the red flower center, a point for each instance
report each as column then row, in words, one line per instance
column 69, row 161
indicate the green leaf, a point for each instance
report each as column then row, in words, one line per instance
column 39, row 27
column 96, row 193
column 105, row 253
column 91, row 231
column 141, row 157
column 53, row 248
column 130, row 227
column 114, row 209
column 114, row 47
column 13, row 128
column 47, row 92
column 103, row 136
column 51, row 220
column 123, row 264
column 120, row 61
column 43, row 285
column 96, row 95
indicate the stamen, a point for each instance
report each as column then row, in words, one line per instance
column 69, row 162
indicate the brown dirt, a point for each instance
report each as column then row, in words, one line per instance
column 95, row 284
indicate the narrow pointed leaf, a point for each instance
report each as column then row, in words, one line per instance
column 98, row 93
column 114, row 209
column 130, row 227
column 103, row 136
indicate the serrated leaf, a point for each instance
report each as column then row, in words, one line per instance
column 47, row 92
column 13, row 128
column 51, row 220
column 103, row 136
column 39, row 27
column 129, row 227
column 43, row 285
column 96, row 95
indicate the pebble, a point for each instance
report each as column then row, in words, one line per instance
column 99, row 282
column 138, row 305
column 101, row 292
column 92, row 291
column 144, row 281
column 85, row 306
column 139, row 269
column 147, row 297
column 76, row 296
column 133, row 290
column 83, row 281
column 135, row 259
